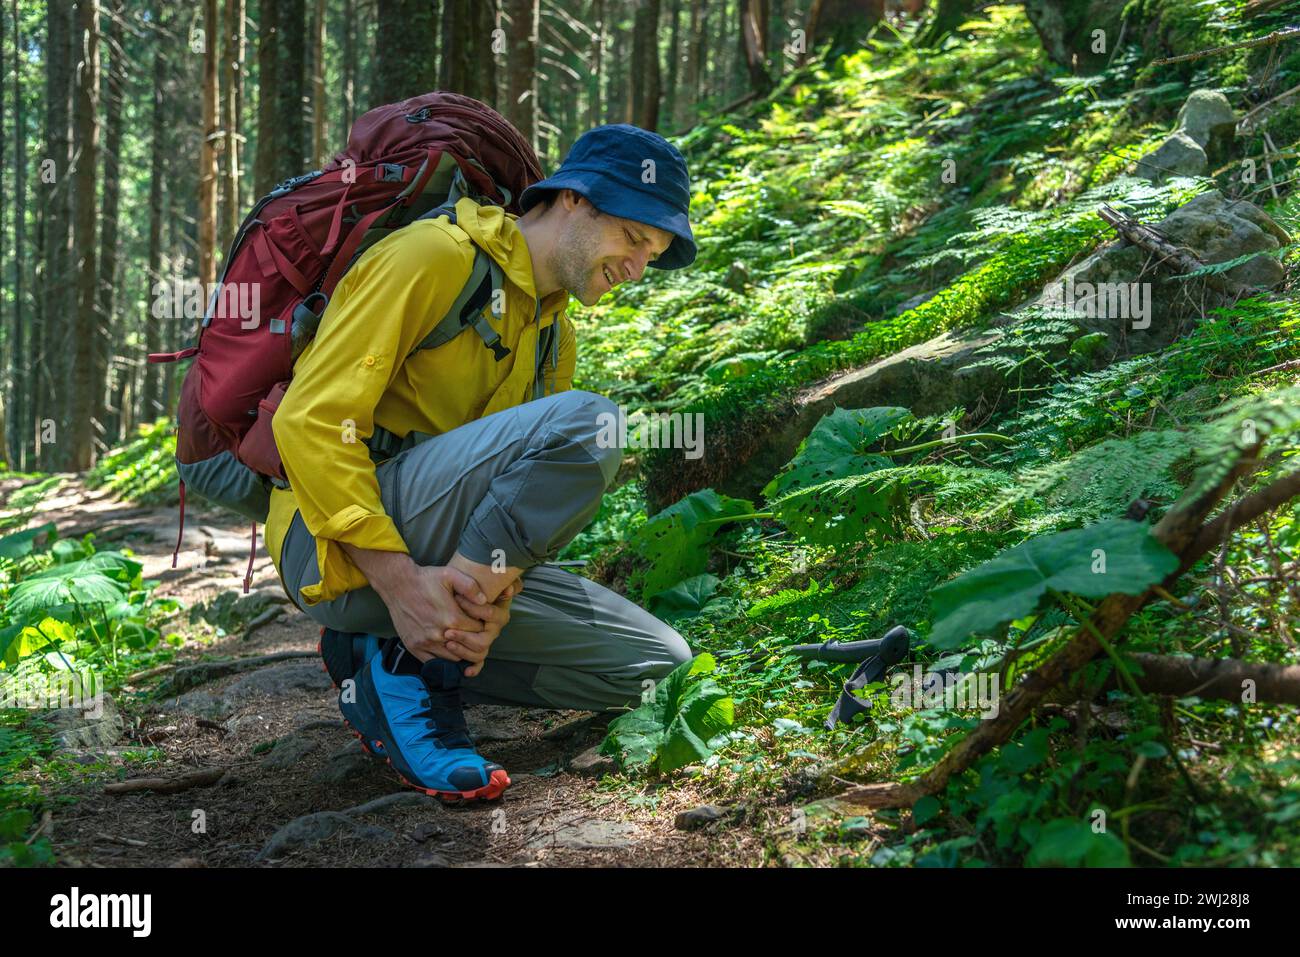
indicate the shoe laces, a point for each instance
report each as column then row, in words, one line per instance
column 446, row 718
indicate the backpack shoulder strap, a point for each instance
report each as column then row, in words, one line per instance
column 483, row 285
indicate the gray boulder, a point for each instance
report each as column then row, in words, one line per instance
column 1214, row 229
column 1179, row 155
column 1209, row 119
column 96, row 725
column 1203, row 136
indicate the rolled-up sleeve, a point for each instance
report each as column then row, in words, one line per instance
column 384, row 306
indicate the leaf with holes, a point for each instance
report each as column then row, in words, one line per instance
column 675, row 540
column 836, row 448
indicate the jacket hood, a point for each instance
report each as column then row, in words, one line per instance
column 495, row 232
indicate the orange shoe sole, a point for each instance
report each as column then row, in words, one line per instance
column 497, row 782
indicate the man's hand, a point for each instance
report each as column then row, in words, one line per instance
column 473, row 646
column 421, row 599
column 438, row 611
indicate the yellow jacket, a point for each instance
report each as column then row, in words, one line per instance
column 355, row 375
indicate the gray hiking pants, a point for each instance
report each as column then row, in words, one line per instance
column 524, row 480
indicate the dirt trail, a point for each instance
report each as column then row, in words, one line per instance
column 297, row 790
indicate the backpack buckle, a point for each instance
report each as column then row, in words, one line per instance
column 391, row 172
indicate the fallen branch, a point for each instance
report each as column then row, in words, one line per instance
column 1260, row 114
column 1144, row 237
column 1219, row 678
column 1280, row 367
column 1256, row 7
column 1183, row 531
column 1277, row 36
column 265, row 618
column 194, row 779
column 193, row 675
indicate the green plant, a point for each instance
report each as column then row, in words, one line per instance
column 676, row 726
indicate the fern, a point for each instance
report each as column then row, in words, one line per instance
column 847, row 510
column 1099, row 481
column 1272, row 418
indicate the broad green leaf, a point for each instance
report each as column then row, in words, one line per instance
column 925, row 810
column 686, row 599
column 841, row 511
column 112, row 565
column 1071, row 843
column 836, row 448
column 44, row 592
column 31, row 639
column 674, row 541
column 8, row 636
column 1112, row 556
column 678, row 725
column 19, row 544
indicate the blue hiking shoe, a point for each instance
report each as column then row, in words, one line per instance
column 417, row 723
column 344, row 652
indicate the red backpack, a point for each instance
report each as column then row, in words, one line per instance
column 404, row 161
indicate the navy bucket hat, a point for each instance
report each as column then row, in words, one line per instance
column 629, row 172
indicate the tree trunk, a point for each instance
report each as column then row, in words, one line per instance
column 619, row 98
column 291, row 78
column 695, row 63
column 20, row 414
column 232, row 66
column 151, row 406
column 846, row 23
column 319, row 135
column 467, row 64
column 753, row 44
column 777, row 33
column 108, row 413
column 266, row 168
column 521, row 67
column 49, row 400
column 207, row 207
column 596, row 89
column 86, row 139
column 8, row 357
column 349, row 31
column 646, row 82
column 674, row 62
column 406, row 45
column 948, row 15
column 1077, row 34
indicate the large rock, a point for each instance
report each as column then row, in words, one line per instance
column 1214, row 229
column 96, row 725
column 929, row 378
column 1179, row 155
column 1209, row 119
column 1202, row 138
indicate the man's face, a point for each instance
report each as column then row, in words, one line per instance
column 597, row 252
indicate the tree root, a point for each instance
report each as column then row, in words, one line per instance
column 1184, row 531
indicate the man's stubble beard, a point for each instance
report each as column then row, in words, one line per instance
column 574, row 261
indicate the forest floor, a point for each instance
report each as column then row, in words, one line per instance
column 289, row 761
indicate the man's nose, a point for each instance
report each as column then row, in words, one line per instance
column 635, row 265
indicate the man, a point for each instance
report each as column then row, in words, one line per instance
column 422, row 564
